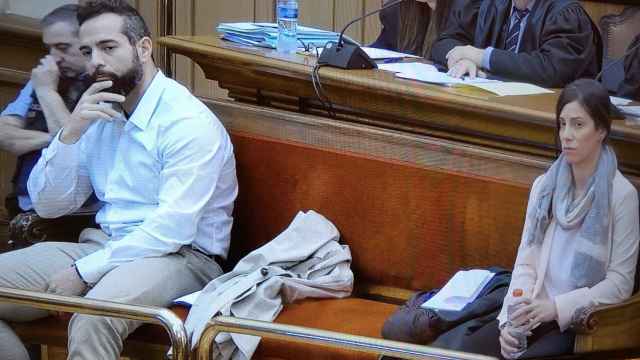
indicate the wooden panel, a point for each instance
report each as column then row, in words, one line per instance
column 598, row 9
column 207, row 14
column 372, row 24
column 264, row 10
column 345, row 11
column 318, row 13
column 184, row 67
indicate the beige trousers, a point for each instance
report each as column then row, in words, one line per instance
column 154, row 281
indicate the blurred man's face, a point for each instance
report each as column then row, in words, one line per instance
column 109, row 53
column 61, row 39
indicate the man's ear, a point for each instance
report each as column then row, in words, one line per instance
column 145, row 49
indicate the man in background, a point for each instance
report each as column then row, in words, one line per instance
column 43, row 106
column 545, row 42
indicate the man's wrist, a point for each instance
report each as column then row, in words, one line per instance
column 70, row 136
column 43, row 91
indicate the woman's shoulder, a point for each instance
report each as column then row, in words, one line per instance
column 623, row 189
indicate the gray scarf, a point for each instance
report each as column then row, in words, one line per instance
column 590, row 213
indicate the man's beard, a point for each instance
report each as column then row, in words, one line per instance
column 122, row 84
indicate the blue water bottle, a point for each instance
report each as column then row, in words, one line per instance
column 287, row 26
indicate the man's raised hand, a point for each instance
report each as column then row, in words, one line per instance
column 93, row 105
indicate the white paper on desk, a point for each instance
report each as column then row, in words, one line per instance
column 410, row 69
column 512, row 88
column 633, row 111
column 380, row 54
column 435, row 77
column 463, row 288
column 187, row 300
column 618, row 101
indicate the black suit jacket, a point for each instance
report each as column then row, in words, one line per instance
column 630, row 87
column 560, row 42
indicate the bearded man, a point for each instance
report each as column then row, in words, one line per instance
column 162, row 164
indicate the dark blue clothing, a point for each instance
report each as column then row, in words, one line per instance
column 27, row 107
column 630, row 86
column 388, row 38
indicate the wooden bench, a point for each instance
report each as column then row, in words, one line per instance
column 412, row 209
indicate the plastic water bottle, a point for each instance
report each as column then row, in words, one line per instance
column 520, row 332
column 287, row 26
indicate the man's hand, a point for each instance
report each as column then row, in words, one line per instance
column 538, row 312
column 66, row 282
column 468, row 52
column 92, row 106
column 46, row 75
column 462, row 68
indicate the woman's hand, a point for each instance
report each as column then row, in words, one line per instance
column 508, row 344
column 538, row 312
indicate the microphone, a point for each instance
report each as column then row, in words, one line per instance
column 350, row 56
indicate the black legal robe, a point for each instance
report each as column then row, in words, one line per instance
column 630, row 87
column 388, row 38
column 560, row 43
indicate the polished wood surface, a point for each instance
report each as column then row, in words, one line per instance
column 525, row 124
column 200, row 17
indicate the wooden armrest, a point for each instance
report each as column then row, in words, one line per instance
column 28, row 228
column 610, row 327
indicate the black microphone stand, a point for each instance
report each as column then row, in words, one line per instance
column 350, row 56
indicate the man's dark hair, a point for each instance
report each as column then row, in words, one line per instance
column 134, row 27
column 65, row 13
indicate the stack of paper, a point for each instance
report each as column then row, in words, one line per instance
column 383, row 54
column 435, row 77
column 632, row 113
column 618, row 101
column 266, row 34
column 463, row 288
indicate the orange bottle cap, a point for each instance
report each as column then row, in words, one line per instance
column 518, row 292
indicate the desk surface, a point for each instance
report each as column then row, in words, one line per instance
column 524, row 124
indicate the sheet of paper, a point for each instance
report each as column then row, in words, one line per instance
column 411, row 69
column 618, row 101
column 187, row 300
column 463, row 288
column 633, row 111
column 379, row 54
column 512, row 88
column 435, row 77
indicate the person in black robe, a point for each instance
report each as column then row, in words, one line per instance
column 630, row 86
column 412, row 26
column 544, row 42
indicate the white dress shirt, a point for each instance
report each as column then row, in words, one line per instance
column 166, row 177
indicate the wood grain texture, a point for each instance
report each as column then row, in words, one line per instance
column 524, row 124
column 199, row 17
column 345, row 11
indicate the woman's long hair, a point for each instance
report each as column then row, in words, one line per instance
column 420, row 27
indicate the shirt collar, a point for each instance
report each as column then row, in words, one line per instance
column 529, row 6
column 142, row 114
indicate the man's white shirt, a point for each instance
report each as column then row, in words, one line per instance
column 166, row 177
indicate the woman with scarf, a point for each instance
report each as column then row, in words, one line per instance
column 579, row 246
column 413, row 26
